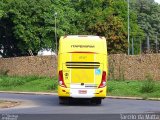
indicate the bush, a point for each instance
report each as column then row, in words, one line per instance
column 148, row 85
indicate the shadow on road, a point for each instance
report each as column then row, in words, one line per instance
column 54, row 101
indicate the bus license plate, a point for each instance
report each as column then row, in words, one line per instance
column 82, row 91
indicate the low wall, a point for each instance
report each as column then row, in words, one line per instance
column 33, row 65
column 136, row 67
column 120, row 66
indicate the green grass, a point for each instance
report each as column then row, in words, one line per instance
column 31, row 83
column 146, row 89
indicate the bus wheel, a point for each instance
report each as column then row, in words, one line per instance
column 63, row 100
column 97, row 101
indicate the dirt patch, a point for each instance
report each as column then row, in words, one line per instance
column 8, row 104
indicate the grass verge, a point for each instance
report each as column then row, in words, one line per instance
column 145, row 89
column 30, row 84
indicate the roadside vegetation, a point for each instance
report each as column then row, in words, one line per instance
column 31, row 83
column 145, row 89
column 27, row 26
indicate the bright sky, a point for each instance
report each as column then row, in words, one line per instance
column 158, row 1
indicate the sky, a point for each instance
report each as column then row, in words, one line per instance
column 158, row 1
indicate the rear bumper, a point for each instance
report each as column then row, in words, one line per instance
column 75, row 93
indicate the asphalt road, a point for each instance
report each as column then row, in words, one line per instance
column 48, row 104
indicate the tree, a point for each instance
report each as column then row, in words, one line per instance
column 148, row 18
column 25, row 26
column 113, row 30
column 97, row 13
column 91, row 12
column 29, row 25
column 7, row 39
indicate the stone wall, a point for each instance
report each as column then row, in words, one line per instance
column 120, row 66
column 24, row 66
column 137, row 67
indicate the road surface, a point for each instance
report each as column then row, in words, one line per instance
column 48, row 104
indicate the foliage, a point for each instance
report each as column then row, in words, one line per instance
column 27, row 25
column 148, row 85
column 114, row 32
column 91, row 11
column 109, row 18
column 148, row 13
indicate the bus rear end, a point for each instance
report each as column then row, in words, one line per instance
column 82, row 68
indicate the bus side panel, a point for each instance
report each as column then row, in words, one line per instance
column 101, row 92
column 64, row 92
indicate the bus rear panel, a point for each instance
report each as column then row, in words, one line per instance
column 82, row 67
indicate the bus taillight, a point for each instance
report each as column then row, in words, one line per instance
column 61, row 80
column 103, row 81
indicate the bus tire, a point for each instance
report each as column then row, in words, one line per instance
column 96, row 101
column 63, row 100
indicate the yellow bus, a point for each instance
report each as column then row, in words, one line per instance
column 82, row 68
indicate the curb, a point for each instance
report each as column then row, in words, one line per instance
column 130, row 98
column 133, row 98
column 29, row 93
column 110, row 97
